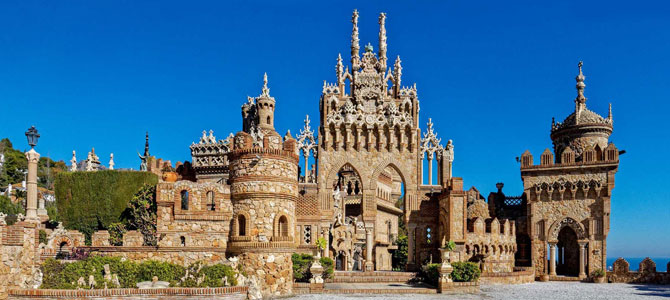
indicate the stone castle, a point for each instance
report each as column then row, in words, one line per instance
column 359, row 178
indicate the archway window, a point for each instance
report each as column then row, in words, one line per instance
column 184, row 200
column 182, row 239
column 241, row 225
column 211, row 204
column 268, row 120
column 282, row 224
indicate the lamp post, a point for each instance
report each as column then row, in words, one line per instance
column 31, row 184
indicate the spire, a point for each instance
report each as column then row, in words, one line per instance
column 609, row 116
column 382, row 40
column 339, row 68
column 397, row 76
column 146, row 145
column 580, row 88
column 355, row 47
column 266, row 90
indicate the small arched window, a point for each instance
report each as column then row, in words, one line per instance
column 283, row 226
column 211, row 204
column 182, row 239
column 268, row 120
column 241, row 225
column 184, row 200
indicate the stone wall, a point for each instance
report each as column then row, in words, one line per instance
column 227, row 293
column 647, row 273
column 516, row 277
column 272, row 270
column 19, row 257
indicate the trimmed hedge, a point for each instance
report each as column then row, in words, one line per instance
column 58, row 275
column 302, row 262
column 463, row 272
column 90, row 201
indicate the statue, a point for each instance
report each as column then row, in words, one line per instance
column 144, row 158
column 92, row 162
column 73, row 162
column 337, row 196
column 111, row 161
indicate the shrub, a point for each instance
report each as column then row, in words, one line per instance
column 59, row 275
column 598, row 273
column 42, row 236
column 465, row 272
column 89, row 201
column 141, row 213
column 302, row 262
column 116, row 232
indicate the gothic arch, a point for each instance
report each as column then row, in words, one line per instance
column 337, row 166
column 382, row 165
column 566, row 222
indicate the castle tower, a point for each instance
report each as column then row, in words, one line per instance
column 581, row 129
column 569, row 194
column 266, row 107
column 264, row 189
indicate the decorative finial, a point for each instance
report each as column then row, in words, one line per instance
column 111, row 161
column 382, row 39
column 369, row 48
column 580, row 84
column 146, row 145
column 266, row 90
column 355, row 47
column 339, row 69
column 609, row 116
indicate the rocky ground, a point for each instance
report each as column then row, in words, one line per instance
column 538, row 290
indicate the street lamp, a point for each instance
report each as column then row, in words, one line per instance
column 32, row 136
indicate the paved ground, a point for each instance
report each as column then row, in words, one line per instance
column 538, row 290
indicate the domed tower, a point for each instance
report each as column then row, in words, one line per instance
column 581, row 129
column 266, row 107
column 264, row 190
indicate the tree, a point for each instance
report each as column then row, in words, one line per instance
column 141, row 213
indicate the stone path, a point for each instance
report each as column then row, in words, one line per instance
column 538, row 290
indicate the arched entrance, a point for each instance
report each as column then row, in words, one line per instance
column 567, row 252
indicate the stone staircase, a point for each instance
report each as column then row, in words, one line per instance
column 371, row 277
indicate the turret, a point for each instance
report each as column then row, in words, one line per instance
column 581, row 129
column 266, row 107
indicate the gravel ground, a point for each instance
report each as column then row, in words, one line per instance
column 538, row 290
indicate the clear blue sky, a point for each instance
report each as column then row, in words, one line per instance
column 490, row 74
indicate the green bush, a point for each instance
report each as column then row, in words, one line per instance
column 42, row 236
column 430, row 273
column 141, row 213
column 90, row 201
column 302, row 262
column 116, row 232
column 465, row 272
column 59, row 275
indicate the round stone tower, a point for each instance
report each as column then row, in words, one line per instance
column 583, row 128
column 264, row 190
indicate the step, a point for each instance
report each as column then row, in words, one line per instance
column 563, row 278
column 378, row 288
column 370, row 277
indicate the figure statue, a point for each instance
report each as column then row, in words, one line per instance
column 144, row 158
column 73, row 162
column 111, row 161
column 337, row 196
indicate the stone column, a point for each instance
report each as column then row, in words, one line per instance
column 31, row 185
column 369, row 265
column 552, row 259
column 430, row 169
column 306, row 155
column 582, row 250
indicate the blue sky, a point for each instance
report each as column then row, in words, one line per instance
column 490, row 74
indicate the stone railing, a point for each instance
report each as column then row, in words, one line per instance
column 646, row 274
column 492, row 244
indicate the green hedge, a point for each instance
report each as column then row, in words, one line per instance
column 90, row 201
column 463, row 272
column 58, row 275
column 302, row 262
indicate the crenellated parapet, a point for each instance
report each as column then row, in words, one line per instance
column 491, row 243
